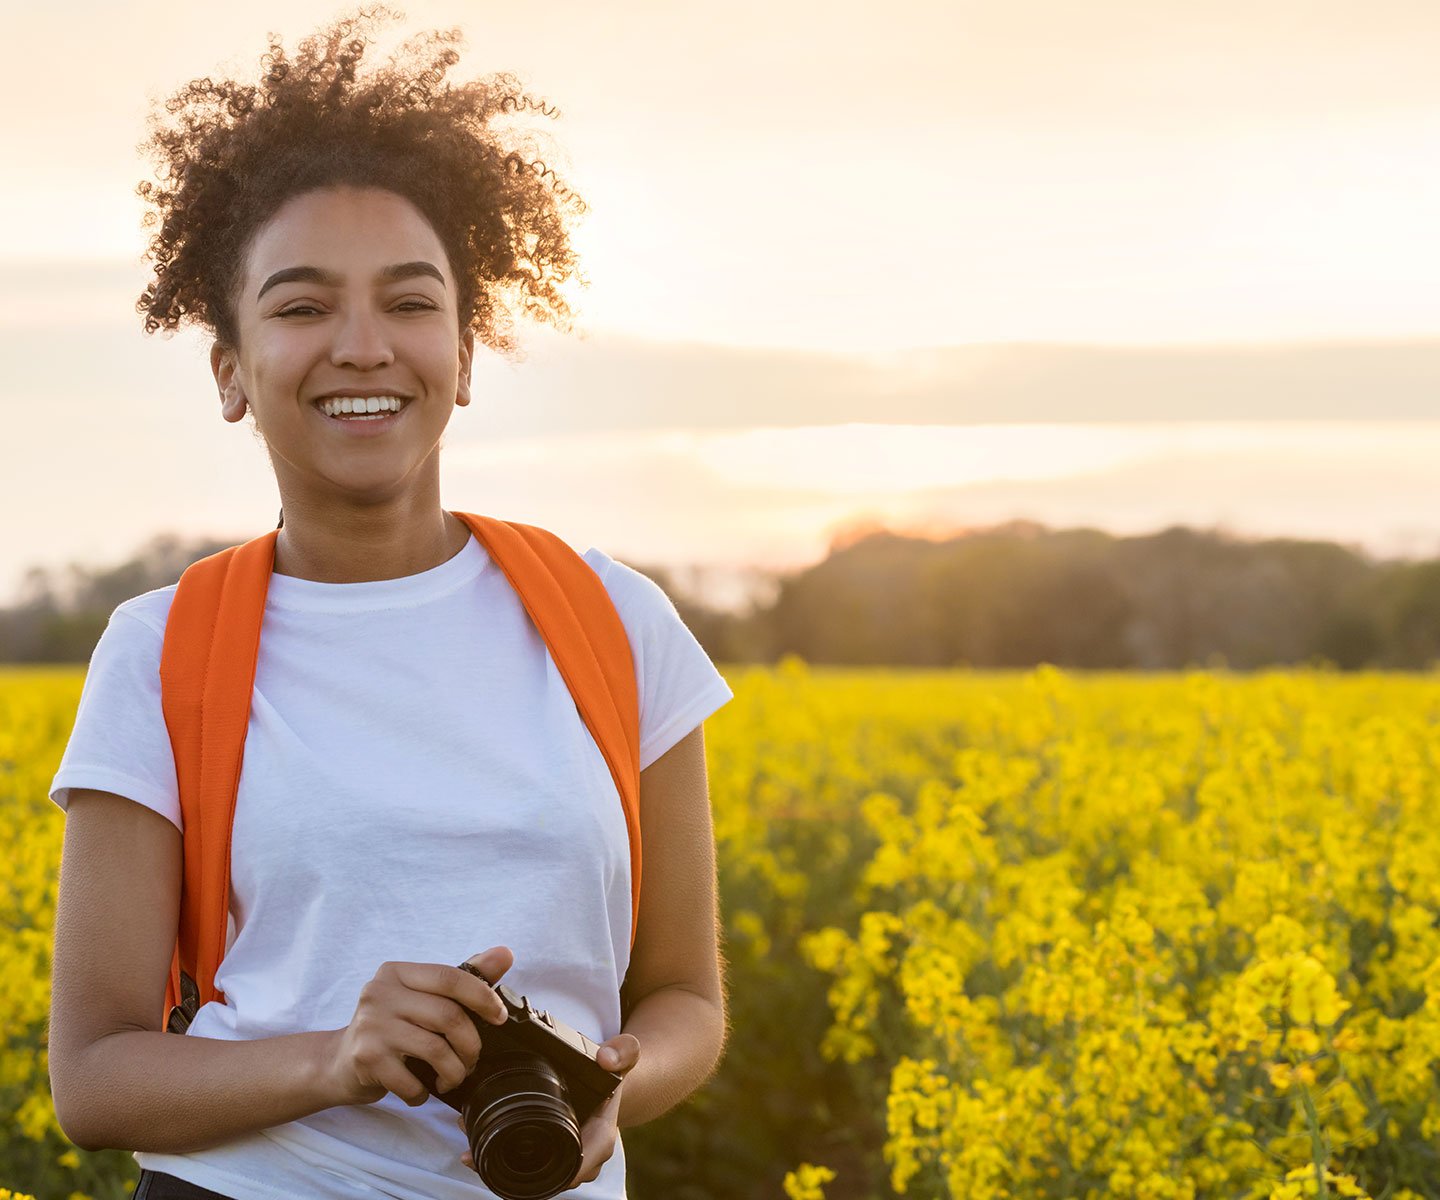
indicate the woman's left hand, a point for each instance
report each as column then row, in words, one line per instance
column 599, row 1134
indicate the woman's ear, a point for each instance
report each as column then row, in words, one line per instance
column 223, row 366
column 467, row 352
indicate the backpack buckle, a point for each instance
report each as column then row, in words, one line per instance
column 183, row 1013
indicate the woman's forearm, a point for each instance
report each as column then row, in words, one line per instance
column 160, row 1092
column 681, row 1036
column 163, row 1093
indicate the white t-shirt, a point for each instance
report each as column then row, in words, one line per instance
column 417, row 786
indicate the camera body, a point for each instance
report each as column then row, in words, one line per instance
column 536, row 1082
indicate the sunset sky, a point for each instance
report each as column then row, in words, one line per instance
column 1120, row 264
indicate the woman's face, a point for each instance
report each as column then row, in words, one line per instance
column 347, row 291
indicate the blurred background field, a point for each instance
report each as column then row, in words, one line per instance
column 992, row 934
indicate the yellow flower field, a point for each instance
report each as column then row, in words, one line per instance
column 1009, row 935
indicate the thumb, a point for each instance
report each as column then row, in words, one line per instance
column 492, row 963
column 619, row 1053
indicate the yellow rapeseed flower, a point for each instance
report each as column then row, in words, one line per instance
column 807, row 1182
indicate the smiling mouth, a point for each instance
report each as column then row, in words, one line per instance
column 346, row 408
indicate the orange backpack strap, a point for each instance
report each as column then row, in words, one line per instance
column 207, row 670
column 207, row 674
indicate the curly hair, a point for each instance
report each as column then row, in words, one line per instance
column 233, row 153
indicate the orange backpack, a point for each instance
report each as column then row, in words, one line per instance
column 207, row 679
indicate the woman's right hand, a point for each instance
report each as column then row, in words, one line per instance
column 415, row 1009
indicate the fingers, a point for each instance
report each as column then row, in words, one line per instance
column 493, row 963
column 422, row 1010
column 477, row 993
column 436, row 979
column 597, row 1141
column 426, row 1064
column 441, row 999
column 620, row 1053
column 446, row 1036
column 462, row 986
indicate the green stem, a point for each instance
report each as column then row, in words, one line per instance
column 1317, row 1149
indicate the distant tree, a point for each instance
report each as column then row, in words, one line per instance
column 1018, row 594
column 1197, row 595
column 61, row 615
column 1012, row 595
column 1410, row 616
column 1350, row 640
column 856, row 605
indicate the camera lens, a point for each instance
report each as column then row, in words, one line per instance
column 524, row 1138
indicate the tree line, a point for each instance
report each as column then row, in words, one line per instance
column 1013, row 595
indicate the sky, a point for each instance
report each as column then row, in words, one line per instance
column 1123, row 264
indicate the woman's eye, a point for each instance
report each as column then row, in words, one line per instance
column 305, row 308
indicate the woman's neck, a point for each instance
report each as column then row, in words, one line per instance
column 361, row 545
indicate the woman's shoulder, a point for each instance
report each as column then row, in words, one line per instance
column 133, row 640
column 600, row 562
column 679, row 687
column 150, row 609
column 631, row 591
column 646, row 609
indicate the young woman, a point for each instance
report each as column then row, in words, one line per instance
column 417, row 783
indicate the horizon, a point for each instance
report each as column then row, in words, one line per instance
column 732, row 588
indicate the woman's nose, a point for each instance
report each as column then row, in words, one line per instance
column 361, row 340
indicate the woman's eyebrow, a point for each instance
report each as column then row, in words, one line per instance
column 318, row 275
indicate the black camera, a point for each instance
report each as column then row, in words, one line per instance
column 535, row 1084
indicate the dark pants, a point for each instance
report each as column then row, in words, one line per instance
column 156, row 1185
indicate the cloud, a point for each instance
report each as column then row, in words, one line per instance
column 76, row 358
column 724, row 498
column 615, row 383
column 683, row 452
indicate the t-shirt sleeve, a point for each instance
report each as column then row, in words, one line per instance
column 678, row 684
column 120, row 742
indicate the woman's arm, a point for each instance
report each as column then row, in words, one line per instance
column 119, row 1082
column 116, row 1079
column 674, row 998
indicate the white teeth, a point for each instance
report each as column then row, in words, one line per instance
column 336, row 405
